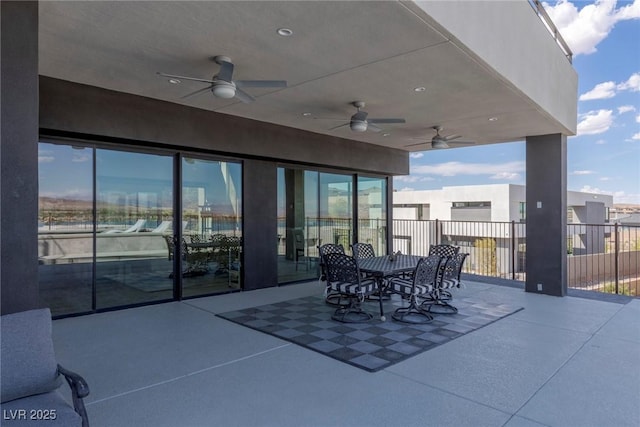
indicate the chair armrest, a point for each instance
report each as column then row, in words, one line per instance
column 78, row 385
column 80, row 390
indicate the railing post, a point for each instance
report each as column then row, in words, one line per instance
column 513, row 250
column 617, row 254
column 437, row 233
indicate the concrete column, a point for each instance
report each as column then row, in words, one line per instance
column 19, row 155
column 546, row 263
column 260, row 181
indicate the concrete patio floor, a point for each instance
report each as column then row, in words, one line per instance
column 559, row 362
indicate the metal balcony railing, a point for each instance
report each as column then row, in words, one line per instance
column 548, row 22
column 600, row 257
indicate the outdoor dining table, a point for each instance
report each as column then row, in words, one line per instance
column 382, row 267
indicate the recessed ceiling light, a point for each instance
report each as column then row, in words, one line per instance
column 420, row 89
column 493, row 119
column 174, row 81
column 306, row 114
column 285, row 32
column 386, row 134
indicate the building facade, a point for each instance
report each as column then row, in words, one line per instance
column 121, row 188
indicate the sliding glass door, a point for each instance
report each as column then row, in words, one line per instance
column 65, row 227
column 314, row 208
column 372, row 213
column 112, row 224
column 211, row 226
column 134, row 199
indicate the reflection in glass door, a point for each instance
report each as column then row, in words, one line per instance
column 211, row 226
column 134, row 202
column 372, row 213
column 336, row 209
column 298, row 233
column 313, row 209
column 65, row 228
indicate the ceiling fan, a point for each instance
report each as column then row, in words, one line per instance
column 222, row 84
column 359, row 121
column 439, row 141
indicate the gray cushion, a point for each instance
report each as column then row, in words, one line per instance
column 28, row 363
column 39, row 411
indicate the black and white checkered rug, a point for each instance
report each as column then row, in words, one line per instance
column 371, row 346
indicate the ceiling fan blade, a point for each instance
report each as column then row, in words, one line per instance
column 419, row 143
column 451, row 137
column 197, row 92
column 386, row 120
column 184, row 78
column 244, row 96
column 372, row 127
column 226, row 71
column 261, row 83
column 332, row 119
column 339, row 126
column 461, row 142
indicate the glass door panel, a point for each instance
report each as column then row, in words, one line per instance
column 65, row 228
column 298, row 232
column 336, row 209
column 134, row 200
column 372, row 213
column 212, row 226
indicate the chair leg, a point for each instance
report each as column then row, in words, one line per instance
column 438, row 305
column 412, row 314
column 353, row 313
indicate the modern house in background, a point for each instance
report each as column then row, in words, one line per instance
column 136, row 169
column 471, row 213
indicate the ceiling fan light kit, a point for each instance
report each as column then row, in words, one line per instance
column 358, row 126
column 359, row 121
column 224, row 90
column 222, row 84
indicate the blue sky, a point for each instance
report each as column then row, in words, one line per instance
column 604, row 156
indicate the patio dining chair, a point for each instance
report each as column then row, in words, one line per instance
column 422, row 282
column 331, row 297
column 444, row 251
column 363, row 250
column 449, row 279
column 343, row 276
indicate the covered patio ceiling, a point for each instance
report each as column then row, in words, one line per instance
column 339, row 52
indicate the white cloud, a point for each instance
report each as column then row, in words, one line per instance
column 632, row 84
column 506, row 176
column 459, row 168
column 605, row 178
column 582, row 172
column 583, row 30
column 601, row 142
column 636, row 137
column 638, row 118
column 609, row 89
column 45, row 159
column 626, row 109
column 416, row 155
column 413, row 178
column 595, row 122
column 600, row 91
column 80, row 158
column 406, row 189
